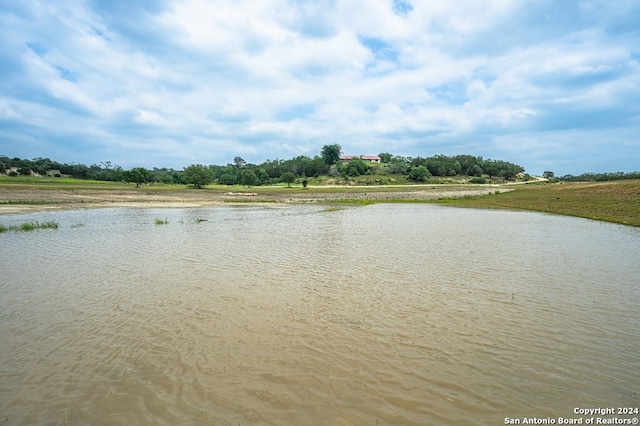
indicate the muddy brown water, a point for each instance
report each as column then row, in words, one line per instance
column 375, row 315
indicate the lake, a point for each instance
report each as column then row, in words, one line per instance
column 384, row 314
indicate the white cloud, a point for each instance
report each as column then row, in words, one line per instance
column 285, row 77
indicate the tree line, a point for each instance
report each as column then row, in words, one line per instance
column 598, row 177
column 269, row 172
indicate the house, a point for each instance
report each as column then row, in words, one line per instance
column 366, row 158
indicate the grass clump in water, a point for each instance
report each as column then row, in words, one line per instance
column 48, row 225
column 161, row 221
column 30, row 226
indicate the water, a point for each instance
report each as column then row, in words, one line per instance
column 376, row 315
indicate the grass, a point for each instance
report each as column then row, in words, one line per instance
column 161, row 221
column 36, row 180
column 617, row 201
column 29, row 226
column 26, row 202
column 248, row 201
column 32, row 182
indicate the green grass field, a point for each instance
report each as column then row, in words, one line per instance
column 617, row 201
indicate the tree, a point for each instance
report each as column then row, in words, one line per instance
column 476, row 170
column 24, row 170
column 492, row 169
column 137, row 175
column 227, row 179
column 163, row 175
column 398, row 168
column 239, row 162
column 331, row 154
column 419, row 174
column 288, row 178
column 248, row 177
column 197, row 175
column 356, row 167
column 548, row 174
column 509, row 175
column 385, row 157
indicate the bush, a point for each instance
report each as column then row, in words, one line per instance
column 419, row 174
column 477, row 180
column 227, row 179
column 24, row 170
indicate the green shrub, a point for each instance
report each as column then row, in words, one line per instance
column 28, row 226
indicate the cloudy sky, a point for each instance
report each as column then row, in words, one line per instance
column 548, row 84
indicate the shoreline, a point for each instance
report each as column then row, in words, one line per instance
column 612, row 201
column 27, row 200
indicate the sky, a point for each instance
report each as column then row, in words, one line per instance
column 546, row 84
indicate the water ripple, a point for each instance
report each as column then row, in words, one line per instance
column 386, row 314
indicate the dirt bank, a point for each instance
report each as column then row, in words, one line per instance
column 22, row 200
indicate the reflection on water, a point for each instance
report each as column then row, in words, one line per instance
column 385, row 314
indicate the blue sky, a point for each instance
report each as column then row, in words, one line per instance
column 548, row 84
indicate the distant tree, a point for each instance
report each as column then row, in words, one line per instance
column 24, row 170
column 439, row 165
column 356, row 167
column 137, row 175
column 477, row 179
column 227, row 179
column 398, row 168
column 476, row 170
column 509, row 175
column 41, row 165
column 548, row 174
column 248, row 177
column 331, row 154
column 239, row 162
column 385, row 157
column 197, row 175
column 81, row 171
column 262, row 175
column 163, row 175
column 492, row 169
column 419, row 174
column 288, row 178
